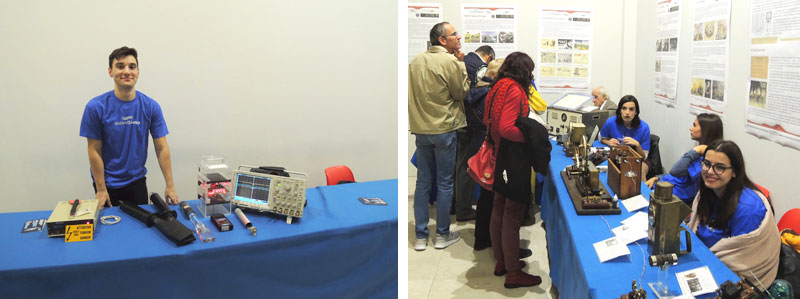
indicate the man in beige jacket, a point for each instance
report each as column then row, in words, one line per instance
column 437, row 85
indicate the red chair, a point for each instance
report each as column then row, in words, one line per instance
column 340, row 174
column 791, row 219
column 766, row 194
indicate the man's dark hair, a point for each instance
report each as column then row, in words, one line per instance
column 519, row 67
column 725, row 206
column 628, row 98
column 710, row 128
column 436, row 32
column 486, row 50
column 122, row 53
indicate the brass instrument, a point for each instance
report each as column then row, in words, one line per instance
column 666, row 213
column 582, row 179
column 577, row 132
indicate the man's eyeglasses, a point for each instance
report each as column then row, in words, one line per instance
column 719, row 169
column 454, row 34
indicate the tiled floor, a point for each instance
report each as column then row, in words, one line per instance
column 460, row 272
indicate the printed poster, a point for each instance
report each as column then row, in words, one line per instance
column 421, row 18
column 668, row 30
column 565, row 39
column 489, row 24
column 709, row 61
column 773, row 104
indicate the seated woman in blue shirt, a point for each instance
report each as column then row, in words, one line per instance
column 731, row 216
column 627, row 128
column 685, row 174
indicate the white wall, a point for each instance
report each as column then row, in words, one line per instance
column 767, row 162
column 301, row 84
column 613, row 43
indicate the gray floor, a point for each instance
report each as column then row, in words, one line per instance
column 460, row 272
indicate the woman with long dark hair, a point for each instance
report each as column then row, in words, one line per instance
column 626, row 128
column 506, row 102
column 732, row 217
column 685, row 174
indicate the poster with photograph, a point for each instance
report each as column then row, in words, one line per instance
column 773, row 101
column 710, row 48
column 494, row 25
column 421, row 18
column 668, row 29
column 565, row 44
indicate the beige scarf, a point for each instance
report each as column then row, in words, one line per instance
column 756, row 252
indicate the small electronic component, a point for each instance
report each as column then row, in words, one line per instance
column 246, row 222
column 222, row 222
column 635, row 293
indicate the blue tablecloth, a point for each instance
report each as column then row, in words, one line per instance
column 340, row 248
column 575, row 268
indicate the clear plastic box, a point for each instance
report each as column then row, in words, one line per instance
column 214, row 189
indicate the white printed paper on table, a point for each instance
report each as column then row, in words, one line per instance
column 709, row 61
column 630, row 233
column 421, row 18
column 668, row 32
column 773, row 103
column 610, row 248
column 494, row 25
column 640, row 218
column 697, row 281
column 635, row 203
column 565, row 47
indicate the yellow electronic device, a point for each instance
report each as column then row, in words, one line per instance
column 72, row 212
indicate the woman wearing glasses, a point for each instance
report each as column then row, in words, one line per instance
column 685, row 174
column 732, row 217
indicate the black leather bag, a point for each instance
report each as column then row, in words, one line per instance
column 789, row 267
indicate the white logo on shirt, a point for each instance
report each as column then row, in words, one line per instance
column 127, row 120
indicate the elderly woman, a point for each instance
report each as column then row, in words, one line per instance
column 506, row 102
column 732, row 217
column 685, row 174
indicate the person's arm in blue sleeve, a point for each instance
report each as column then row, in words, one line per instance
column 681, row 168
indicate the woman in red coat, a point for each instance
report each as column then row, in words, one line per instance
column 507, row 101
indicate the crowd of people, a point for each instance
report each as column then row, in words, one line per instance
column 457, row 101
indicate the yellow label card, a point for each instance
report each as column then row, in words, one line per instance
column 79, row 232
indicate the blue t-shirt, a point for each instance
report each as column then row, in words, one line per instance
column 748, row 216
column 686, row 187
column 612, row 130
column 123, row 128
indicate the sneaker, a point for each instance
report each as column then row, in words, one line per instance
column 442, row 241
column 421, row 244
column 521, row 279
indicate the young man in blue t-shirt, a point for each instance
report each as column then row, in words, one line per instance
column 116, row 125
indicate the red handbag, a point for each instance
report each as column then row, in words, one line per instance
column 480, row 167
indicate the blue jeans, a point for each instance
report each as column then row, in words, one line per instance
column 436, row 156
